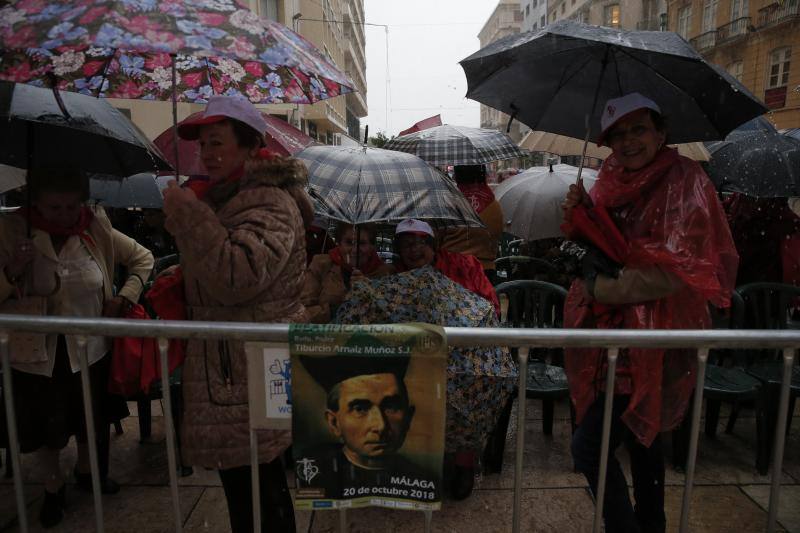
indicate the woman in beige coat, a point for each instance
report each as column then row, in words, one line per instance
column 70, row 258
column 242, row 244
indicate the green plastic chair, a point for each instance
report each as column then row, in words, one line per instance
column 532, row 304
column 771, row 306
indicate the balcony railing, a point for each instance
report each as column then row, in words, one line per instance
column 734, row 29
column 704, row 41
column 778, row 12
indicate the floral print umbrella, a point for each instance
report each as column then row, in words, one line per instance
column 126, row 49
column 479, row 380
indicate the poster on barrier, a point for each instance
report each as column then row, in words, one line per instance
column 368, row 415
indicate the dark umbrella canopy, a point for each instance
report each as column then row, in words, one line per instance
column 457, row 145
column 761, row 163
column 358, row 185
column 548, row 80
column 87, row 133
column 140, row 190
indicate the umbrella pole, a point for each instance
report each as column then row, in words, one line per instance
column 175, row 119
column 579, row 181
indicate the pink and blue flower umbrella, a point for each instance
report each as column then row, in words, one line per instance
column 128, row 48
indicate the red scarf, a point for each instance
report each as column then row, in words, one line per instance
column 80, row 228
column 479, row 195
column 373, row 262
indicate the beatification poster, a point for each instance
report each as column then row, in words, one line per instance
column 368, row 415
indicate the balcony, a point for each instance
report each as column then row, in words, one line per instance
column 704, row 41
column 778, row 12
column 733, row 30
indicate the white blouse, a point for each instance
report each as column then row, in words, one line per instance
column 74, row 286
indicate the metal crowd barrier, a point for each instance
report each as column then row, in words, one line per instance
column 525, row 339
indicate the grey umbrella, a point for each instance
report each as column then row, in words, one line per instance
column 457, row 145
column 358, row 185
column 140, row 190
column 47, row 128
column 558, row 78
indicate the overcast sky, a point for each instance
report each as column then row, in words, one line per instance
column 427, row 39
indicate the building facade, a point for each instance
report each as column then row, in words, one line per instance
column 534, row 14
column 506, row 19
column 753, row 40
column 648, row 15
column 336, row 27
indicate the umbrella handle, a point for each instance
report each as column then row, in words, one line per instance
column 579, row 181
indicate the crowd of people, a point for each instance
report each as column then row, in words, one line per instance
column 251, row 250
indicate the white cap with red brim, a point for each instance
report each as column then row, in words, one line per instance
column 220, row 108
column 618, row 108
column 412, row 225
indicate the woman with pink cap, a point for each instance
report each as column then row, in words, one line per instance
column 677, row 257
column 243, row 256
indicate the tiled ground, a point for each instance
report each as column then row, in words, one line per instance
column 729, row 495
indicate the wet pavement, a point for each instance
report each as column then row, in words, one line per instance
column 729, row 494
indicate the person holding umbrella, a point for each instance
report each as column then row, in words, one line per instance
column 243, row 257
column 70, row 258
column 678, row 256
column 331, row 275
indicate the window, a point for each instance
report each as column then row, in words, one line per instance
column 735, row 69
column 534, row 26
column 573, row 2
column 563, row 7
column 684, row 21
column 268, row 9
column 739, row 9
column 709, row 15
column 779, row 61
column 535, row 3
column 542, row 21
column 527, row 11
column 611, row 16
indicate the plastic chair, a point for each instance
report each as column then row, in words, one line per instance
column 771, row 306
column 726, row 381
column 532, row 304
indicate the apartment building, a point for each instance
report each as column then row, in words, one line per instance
column 506, row 19
column 626, row 14
column 336, row 28
column 753, row 40
column 534, row 14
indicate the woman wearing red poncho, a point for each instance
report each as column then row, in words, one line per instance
column 415, row 244
column 678, row 257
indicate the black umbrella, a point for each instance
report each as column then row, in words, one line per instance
column 46, row 128
column 759, row 163
column 556, row 80
column 140, row 190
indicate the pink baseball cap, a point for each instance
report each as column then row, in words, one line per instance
column 618, row 108
column 220, row 108
column 412, row 225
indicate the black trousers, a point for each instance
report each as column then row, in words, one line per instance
column 277, row 512
column 647, row 469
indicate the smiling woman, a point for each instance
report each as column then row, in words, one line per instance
column 680, row 259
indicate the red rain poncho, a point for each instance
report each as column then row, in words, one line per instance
column 670, row 216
